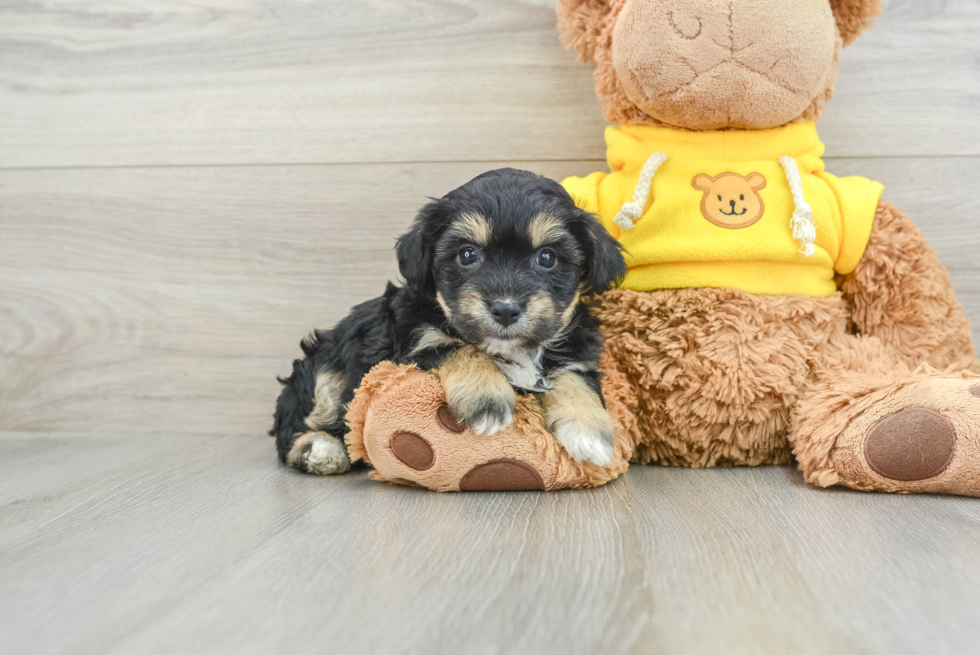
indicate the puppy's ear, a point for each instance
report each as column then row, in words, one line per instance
column 604, row 265
column 416, row 248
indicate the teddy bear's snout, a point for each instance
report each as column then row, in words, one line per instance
column 719, row 64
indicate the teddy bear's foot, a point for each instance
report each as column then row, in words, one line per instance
column 920, row 437
column 402, row 425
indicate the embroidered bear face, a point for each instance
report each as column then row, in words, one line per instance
column 731, row 200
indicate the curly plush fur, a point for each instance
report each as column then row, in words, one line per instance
column 855, row 16
column 901, row 293
column 716, row 371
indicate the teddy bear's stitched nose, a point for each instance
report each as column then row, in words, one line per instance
column 732, row 203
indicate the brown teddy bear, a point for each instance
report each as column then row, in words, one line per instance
column 772, row 310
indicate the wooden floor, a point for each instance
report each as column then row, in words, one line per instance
column 177, row 544
column 187, row 187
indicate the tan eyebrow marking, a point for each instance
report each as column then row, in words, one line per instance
column 545, row 228
column 473, row 228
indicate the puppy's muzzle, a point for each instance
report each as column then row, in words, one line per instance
column 505, row 312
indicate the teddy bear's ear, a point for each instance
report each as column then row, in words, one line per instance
column 855, row 16
column 580, row 22
column 756, row 181
column 703, row 182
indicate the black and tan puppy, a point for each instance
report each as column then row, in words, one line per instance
column 494, row 276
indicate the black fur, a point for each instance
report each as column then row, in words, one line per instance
column 429, row 258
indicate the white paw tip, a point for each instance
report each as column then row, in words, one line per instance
column 488, row 426
column 584, row 446
column 327, row 457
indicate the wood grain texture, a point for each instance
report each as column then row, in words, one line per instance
column 168, row 299
column 179, row 544
column 134, row 82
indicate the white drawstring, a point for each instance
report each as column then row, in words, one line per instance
column 804, row 229
column 632, row 211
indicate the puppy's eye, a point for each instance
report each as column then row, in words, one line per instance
column 468, row 256
column 546, row 258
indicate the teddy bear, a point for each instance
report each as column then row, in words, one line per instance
column 772, row 312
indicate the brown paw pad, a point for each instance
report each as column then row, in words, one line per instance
column 504, row 474
column 447, row 420
column 412, row 450
column 916, row 443
column 976, row 391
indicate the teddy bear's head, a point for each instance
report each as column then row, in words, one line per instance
column 713, row 64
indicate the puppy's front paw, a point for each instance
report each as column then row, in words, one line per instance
column 585, row 442
column 575, row 415
column 487, row 411
column 319, row 453
column 477, row 392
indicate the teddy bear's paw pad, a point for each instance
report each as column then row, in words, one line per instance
column 976, row 391
column 412, row 450
column 918, row 437
column 504, row 474
column 446, row 419
column 913, row 444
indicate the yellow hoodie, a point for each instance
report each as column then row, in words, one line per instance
column 720, row 208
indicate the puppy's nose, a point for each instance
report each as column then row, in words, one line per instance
column 505, row 313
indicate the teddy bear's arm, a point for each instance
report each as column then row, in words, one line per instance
column 902, row 294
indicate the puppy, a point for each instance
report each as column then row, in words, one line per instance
column 494, row 277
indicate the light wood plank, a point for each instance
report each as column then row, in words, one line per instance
column 132, row 82
column 166, row 543
column 168, row 299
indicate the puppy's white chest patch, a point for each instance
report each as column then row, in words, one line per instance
column 522, row 368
